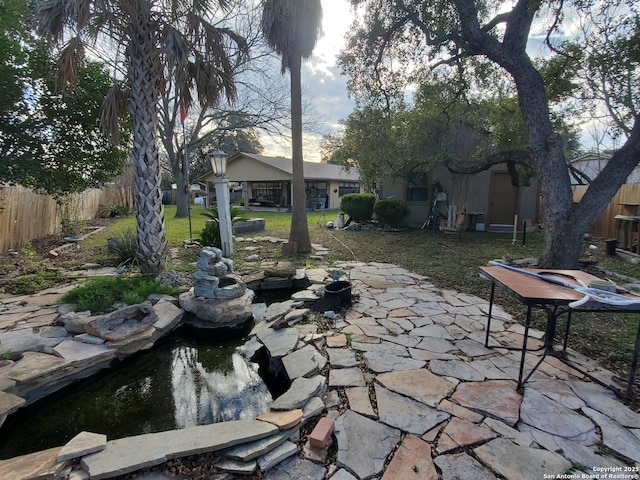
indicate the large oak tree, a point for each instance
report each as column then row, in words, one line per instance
column 391, row 41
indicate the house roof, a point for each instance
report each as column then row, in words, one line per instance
column 312, row 170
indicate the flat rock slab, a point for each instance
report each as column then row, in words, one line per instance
column 496, row 398
column 461, row 466
column 33, row 365
column 549, row 416
column 82, row 444
column 25, row 340
column 405, row 413
column 346, row 377
column 359, row 401
column 129, row 454
column 252, row 450
column 605, row 401
column 520, row 463
column 80, row 351
column 341, row 357
column 296, row 469
column 277, row 455
column 615, row 436
column 304, row 362
column 412, row 460
column 279, row 342
column 9, row 403
column 282, row 419
column 39, row 465
column 387, row 362
column 456, row 369
column 461, row 433
column 421, row 385
column 301, row 390
column 364, row 444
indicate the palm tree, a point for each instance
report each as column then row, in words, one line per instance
column 291, row 28
column 148, row 42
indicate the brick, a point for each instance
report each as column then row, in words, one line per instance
column 321, row 435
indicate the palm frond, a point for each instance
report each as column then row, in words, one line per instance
column 114, row 109
column 69, row 63
column 51, row 17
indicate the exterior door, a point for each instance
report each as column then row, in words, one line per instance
column 503, row 199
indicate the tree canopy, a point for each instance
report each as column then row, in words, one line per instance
column 393, row 45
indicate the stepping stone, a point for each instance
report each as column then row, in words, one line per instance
column 90, row 339
column 301, row 390
column 549, row 416
column 435, row 331
column 496, row 398
column 359, row 401
column 346, row 377
column 461, row 433
column 605, row 401
column 405, row 413
column 342, row 474
column 520, row 463
column 82, row 444
column 386, row 362
column 314, row 407
column 39, row 465
column 509, row 433
column 282, row 419
column 364, row 458
column 437, row 345
column 421, row 385
column 24, row 340
column 412, row 460
column 296, row 468
column 336, row 341
column 341, row 358
column 460, row 412
column 461, row 465
column 489, row 370
column 404, row 340
column 382, row 348
column 471, row 348
column 304, row 362
column 129, row 454
column 615, row 436
column 456, row 369
column 279, row 342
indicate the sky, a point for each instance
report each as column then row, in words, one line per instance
column 323, row 87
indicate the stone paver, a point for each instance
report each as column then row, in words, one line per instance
column 520, row 463
column 82, row 444
column 412, row 460
column 364, row 444
column 496, row 398
column 37, row 465
column 441, row 398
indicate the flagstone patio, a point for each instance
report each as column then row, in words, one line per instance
column 419, row 396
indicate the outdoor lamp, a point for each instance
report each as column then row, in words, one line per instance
column 218, row 163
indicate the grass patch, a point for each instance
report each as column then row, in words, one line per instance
column 448, row 261
column 100, row 294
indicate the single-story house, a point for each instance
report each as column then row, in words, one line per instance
column 488, row 200
column 591, row 163
column 266, row 181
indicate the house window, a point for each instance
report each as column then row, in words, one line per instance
column 266, row 192
column 348, row 187
column 417, row 187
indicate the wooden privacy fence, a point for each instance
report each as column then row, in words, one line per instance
column 620, row 204
column 25, row 215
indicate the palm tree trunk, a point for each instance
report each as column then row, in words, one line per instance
column 145, row 69
column 299, row 228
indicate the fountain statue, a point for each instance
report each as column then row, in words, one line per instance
column 218, row 298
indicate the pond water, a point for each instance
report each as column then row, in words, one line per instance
column 190, row 378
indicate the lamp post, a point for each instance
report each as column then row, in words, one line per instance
column 219, row 164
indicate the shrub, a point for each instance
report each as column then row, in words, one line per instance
column 359, row 206
column 124, row 247
column 391, row 211
column 100, row 294
column 210, row 236
column 110, row 211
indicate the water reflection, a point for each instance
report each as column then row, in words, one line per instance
column 202, row 396
column 192, row 378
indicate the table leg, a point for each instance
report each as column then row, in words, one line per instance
column 486, row 338
column 524, row 346
column 634, row 363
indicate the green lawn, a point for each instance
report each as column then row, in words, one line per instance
column 449, row 261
